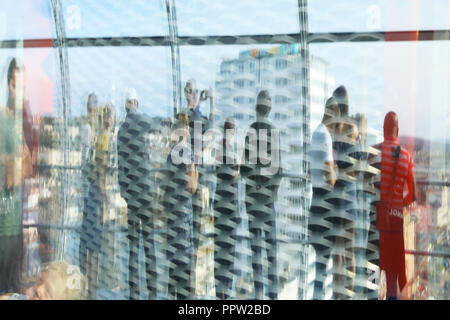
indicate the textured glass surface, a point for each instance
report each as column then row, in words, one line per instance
column 402, row 77
column 153, row 160
column 204, row 18
column 136, row 18
column 378, row 15
column 26, row 20
column 147, row 69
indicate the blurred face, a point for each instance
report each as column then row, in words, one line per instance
column 109, row 122
column 195, row 97
column 92, row 107
column 131, row 104
column 16, row 85
column 191, row 96
column 92, row 102
column 108, row 119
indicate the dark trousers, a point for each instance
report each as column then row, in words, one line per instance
column 264, row 240
column 10, row 263
column 141, row 225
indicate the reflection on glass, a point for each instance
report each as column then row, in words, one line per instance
column 136, row 18
column 28, row 19
column 266, row 182
column 204, row 18
column 378, row 15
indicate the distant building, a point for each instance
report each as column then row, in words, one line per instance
column 280, row 70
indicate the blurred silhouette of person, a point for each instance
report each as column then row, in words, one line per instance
column 323, row 178
column 87, row 134
column 15, row 167
column 364, row 196
column 180, row 185
column 30, row 137
column 226, row 214
column 135, row 183
column 198, row 125
column 397, row 190
column 107, row 160
column 262, row 174
column 344, row 199
column 97, row 200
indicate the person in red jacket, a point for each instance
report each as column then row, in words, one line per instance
column 398, row 188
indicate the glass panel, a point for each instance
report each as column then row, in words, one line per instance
column 204, row 18
column 237, row 74
column 433, row 282
column 378, row 15
column 136, row 18
column 410, row 79
column 26, row 19
column 31, row 185
column 109, row 192
column 146, row 71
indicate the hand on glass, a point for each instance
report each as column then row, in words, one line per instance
column 205, row 94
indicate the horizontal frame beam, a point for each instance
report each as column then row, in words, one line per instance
column 423, row 35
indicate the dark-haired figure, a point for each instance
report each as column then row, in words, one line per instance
column 226, row 214
column 136, row 184
column 398, row 188
column 15, row 167
column 262, row 173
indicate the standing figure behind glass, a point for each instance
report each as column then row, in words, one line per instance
column 135, row 184
column 397, row 191
column 323, row 178
column 106, row 158
column 226, row 214
column 363, row 173
column 198, row 124
column 93, row 217
column 15, row 166
column 88, row 251
column 87, row 135
column 262, row 173
column 343, row 199
column 180, row 185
